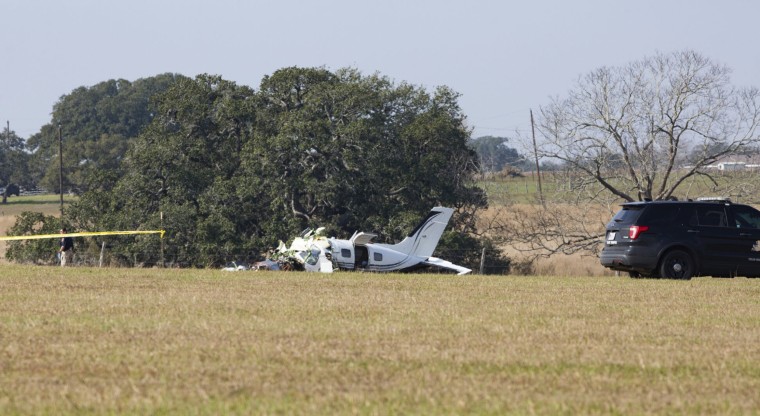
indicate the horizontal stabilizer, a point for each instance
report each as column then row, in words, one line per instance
column 435, row 261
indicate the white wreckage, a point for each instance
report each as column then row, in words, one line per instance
column 313, row 252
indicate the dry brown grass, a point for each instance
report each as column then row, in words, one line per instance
column 571, row 265
column 208, row 342
column 502, row 220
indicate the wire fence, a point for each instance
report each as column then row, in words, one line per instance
column 480, row 261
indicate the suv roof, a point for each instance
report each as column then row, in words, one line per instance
column 709, row 199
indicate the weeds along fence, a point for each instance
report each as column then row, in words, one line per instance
column 480, row 261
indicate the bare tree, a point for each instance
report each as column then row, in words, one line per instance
column 631, row 128
column 630, row 133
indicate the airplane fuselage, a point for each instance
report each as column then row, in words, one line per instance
column 370, row 257
column 318, row 253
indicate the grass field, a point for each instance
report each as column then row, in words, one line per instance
column 741, row 186
column 152, row 341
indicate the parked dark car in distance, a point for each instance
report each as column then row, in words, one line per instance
column 683, row 239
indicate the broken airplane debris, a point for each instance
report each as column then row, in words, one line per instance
column 316, row 253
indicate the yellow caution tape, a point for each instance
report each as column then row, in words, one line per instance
column 87, row 234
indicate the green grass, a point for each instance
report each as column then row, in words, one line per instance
column 152, row 341
column 741, row 186
column 49, row 204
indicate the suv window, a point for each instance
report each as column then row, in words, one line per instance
column 711, row 216
column 660, row 215
column 627, row 215
column 746, row 217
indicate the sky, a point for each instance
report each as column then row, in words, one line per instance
column 504, row 57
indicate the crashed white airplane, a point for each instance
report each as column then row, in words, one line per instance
column 318, row 253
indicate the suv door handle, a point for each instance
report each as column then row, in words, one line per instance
column 744, row 234
column 692, row 231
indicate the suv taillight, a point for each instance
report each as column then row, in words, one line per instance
column 635, row 231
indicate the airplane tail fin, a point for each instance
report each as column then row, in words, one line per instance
column 423, row 240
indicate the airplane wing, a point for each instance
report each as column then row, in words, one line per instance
column 362, row 238
column 435, row 261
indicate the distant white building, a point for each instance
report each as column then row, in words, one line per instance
column 731, row 166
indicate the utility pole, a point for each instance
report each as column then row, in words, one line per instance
column 60, row 166
column 535, row 153
column 7, row 142
column 163, row 264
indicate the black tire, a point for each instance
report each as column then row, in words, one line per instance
column 677, row 264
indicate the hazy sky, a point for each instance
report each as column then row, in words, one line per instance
column 504, row 57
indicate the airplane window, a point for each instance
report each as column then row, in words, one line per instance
column 345, row 253
column 378, row 256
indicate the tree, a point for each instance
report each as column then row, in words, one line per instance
column 14, row 169
column 233, row 170
column 631, row 129
column 38, row 251
column 628, row 133
column 494, row 154
column 183, row 165
column 358, row 152
column 96, row 124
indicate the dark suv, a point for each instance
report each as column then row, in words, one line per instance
column 681, row 239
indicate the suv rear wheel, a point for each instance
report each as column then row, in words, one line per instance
column 677, row 264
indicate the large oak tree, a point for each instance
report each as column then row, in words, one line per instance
column 233, row 170
column 95, row 124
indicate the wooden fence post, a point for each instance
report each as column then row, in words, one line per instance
column 102, row 249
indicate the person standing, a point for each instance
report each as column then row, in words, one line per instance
column 67, row 246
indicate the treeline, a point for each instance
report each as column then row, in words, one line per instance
column 224, row 167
